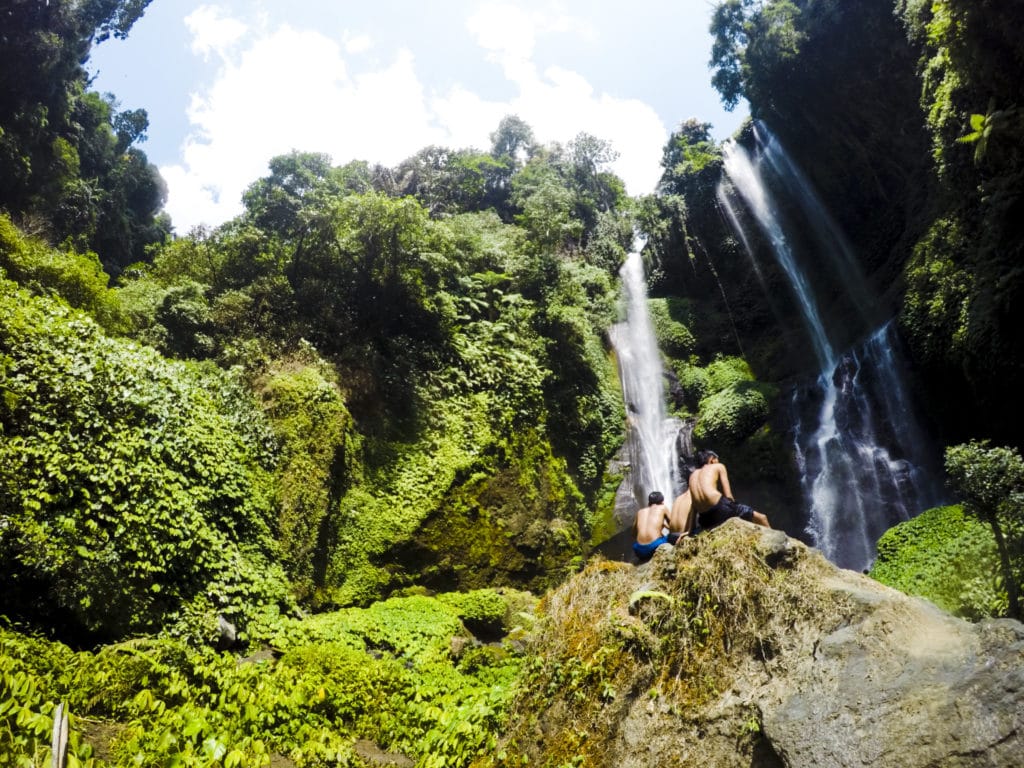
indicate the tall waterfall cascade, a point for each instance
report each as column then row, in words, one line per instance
column 652, row 437
column 859, row 451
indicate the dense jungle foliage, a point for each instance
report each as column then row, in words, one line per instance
column 361, row 425
column 355, row 394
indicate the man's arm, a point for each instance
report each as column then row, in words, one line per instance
column 723, row 478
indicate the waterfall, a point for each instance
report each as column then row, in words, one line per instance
column 831, row 241
column 746, row 179
column 652, row 437
column 859, row 451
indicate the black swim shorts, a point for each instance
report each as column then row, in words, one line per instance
column 722, row 511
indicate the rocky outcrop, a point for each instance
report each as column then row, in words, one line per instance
column 746, row 648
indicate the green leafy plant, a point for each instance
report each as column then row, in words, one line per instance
column 991, row 482
column 947, row 557
column 386, row 674
column 131, row 486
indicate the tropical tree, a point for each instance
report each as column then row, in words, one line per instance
column 991, row 482
column 512, row 145
column 65, row 157
column 450, row 181
column 692, row 163
column 300, row 181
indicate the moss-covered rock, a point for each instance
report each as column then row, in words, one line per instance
column 742, row 647
column 603, row 523
column 319, row 460
column 673, row 335
column 947, row 557
column 732, row 414
column 519, row 523
column 458, row 509
column 694, row 382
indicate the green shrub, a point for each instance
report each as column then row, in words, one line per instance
column 28, row 701
column 483, row 611
column 78, row 278
column 130, row 485
column 416, row 627
column 696, row 383
column 936, row 308
column 141, row 296
column 732, row 414
column 386, row 673
column 355, row 686
column 947, row 557
column 725, row 372
column 183, row 326
column 674, row 337
column 990, row 482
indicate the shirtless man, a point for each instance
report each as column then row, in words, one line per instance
column 712, row 496
column 681, row 518
column 650, row 522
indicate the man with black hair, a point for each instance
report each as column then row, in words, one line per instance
column 650, row 523
column 712, row 496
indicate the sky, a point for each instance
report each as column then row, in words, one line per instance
column 230, row 84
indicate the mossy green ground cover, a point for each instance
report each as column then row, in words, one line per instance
column 404, row 674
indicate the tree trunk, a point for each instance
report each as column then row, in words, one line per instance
column 1012, row 592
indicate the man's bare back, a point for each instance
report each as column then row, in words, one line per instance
column 650, row 521
column 682, row 516
column 708, row 485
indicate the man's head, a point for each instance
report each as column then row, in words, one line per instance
column 656, row 497
column 705, row 457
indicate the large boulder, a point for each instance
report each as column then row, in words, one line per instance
column 743, row 647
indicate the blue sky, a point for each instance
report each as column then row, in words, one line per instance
column 230, row 84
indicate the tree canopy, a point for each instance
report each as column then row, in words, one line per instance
column 68, row 167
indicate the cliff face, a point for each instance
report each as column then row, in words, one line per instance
column 746, row 648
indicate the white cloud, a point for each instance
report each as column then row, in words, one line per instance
column 290, row 90
column 509, row 32
column 505, row 30
column 212, row 32
column 286, row 88
column 357, row 44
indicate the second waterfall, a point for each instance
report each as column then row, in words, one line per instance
column 859, row 452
